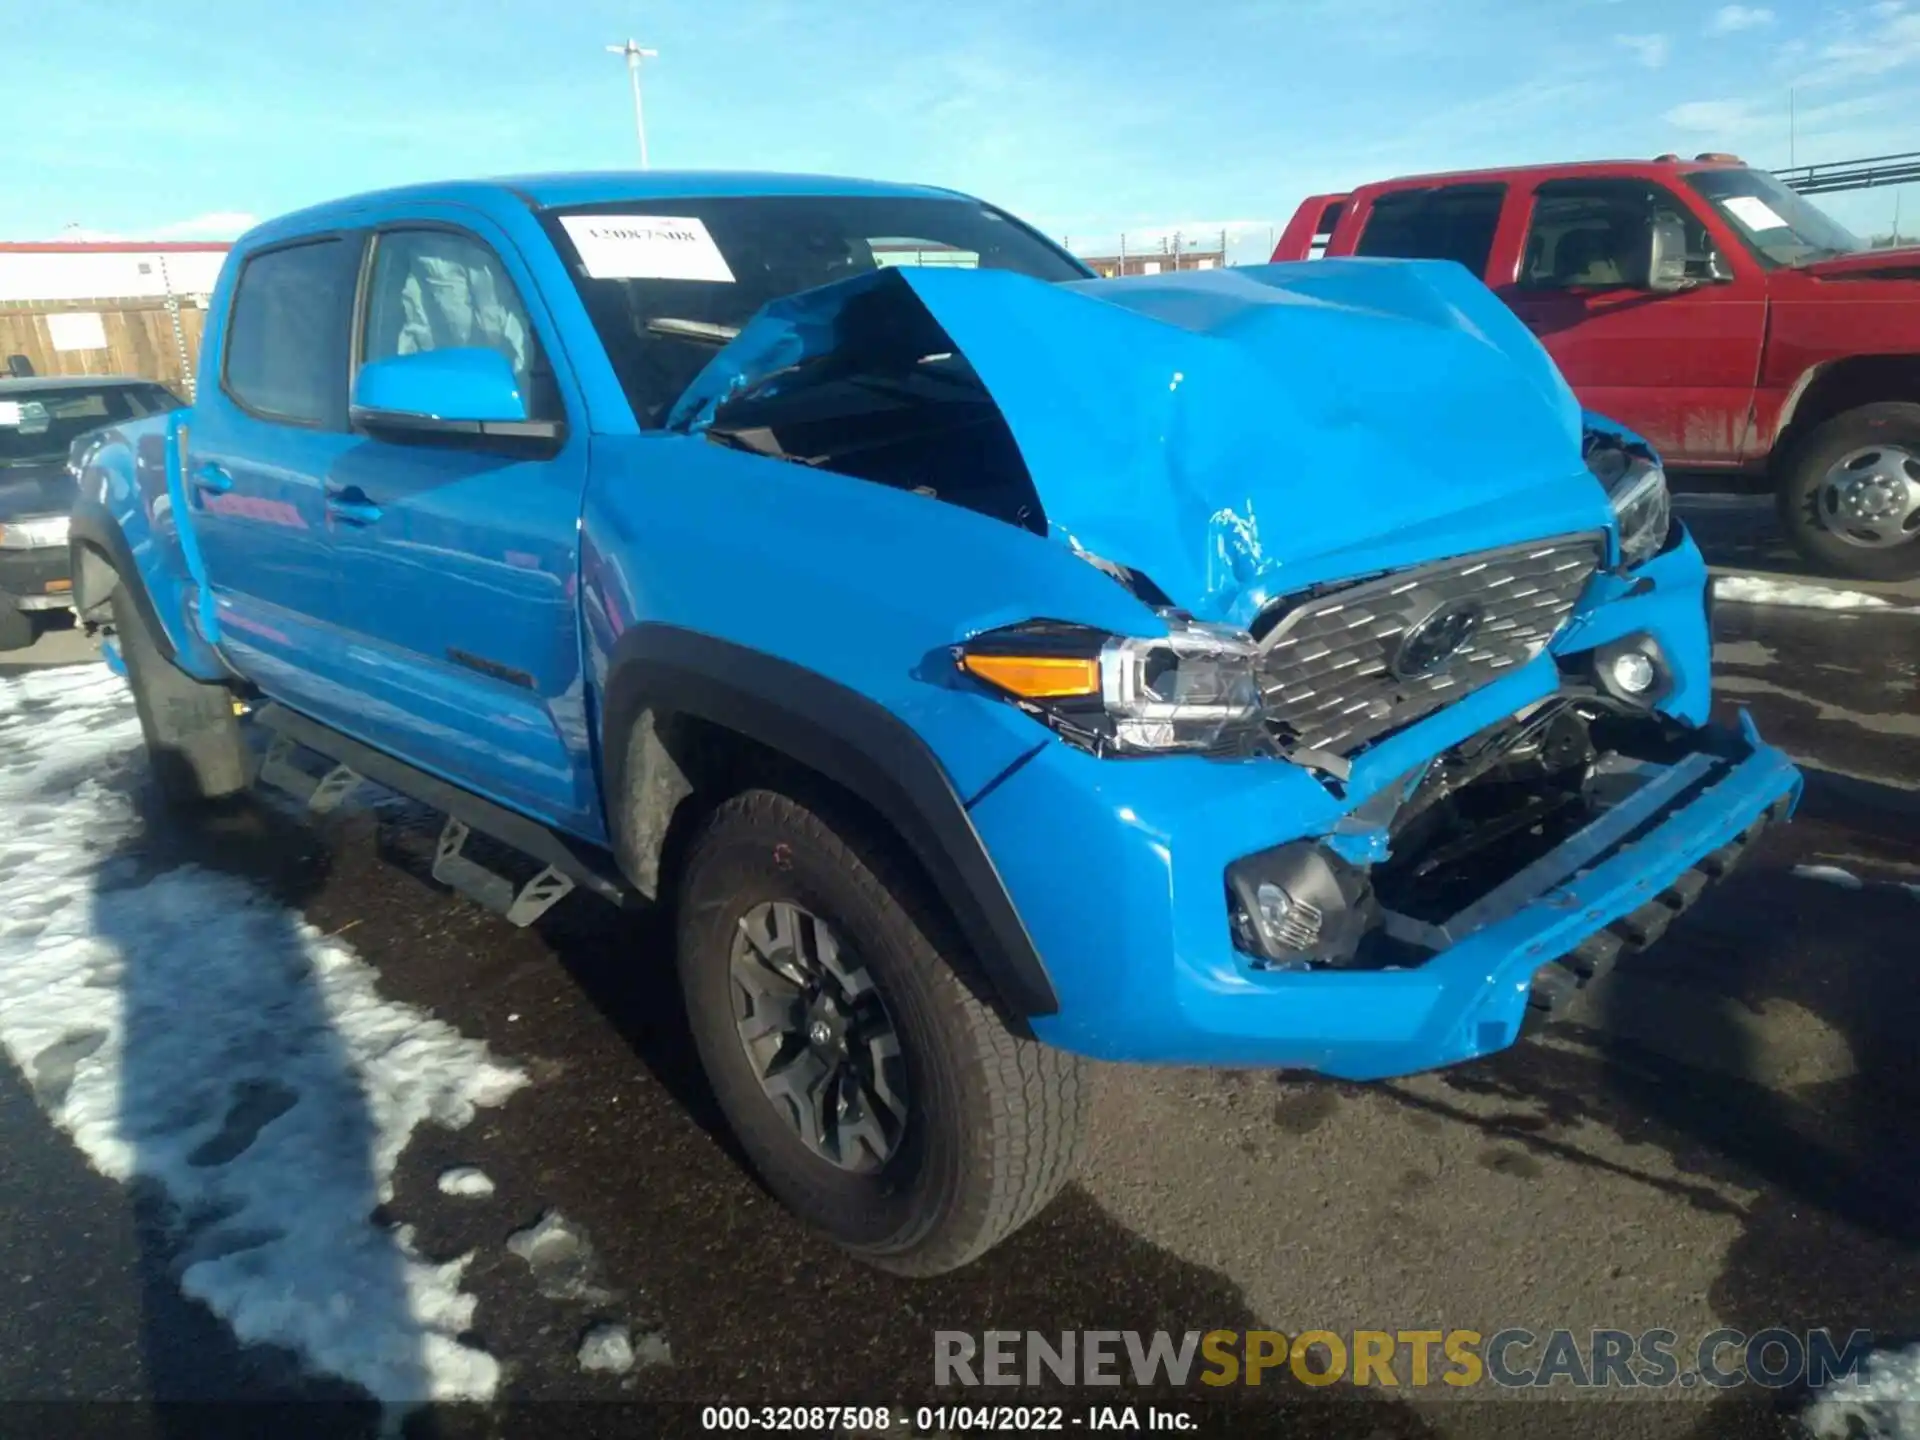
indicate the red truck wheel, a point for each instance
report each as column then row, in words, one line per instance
column 1850, row 493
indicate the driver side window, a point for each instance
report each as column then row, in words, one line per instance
column 1596, row 235
column 438, row 290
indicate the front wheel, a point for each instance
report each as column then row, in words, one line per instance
column 850, row 1043
column 1850, row 493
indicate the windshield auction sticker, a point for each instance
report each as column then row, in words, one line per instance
column 646, row 247
column 1753, row 212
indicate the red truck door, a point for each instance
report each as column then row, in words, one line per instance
column 1677, row 366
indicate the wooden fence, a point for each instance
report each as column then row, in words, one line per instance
column 139, row 333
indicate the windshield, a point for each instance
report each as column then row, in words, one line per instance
column 667, row 282
column 1777, row 224
column 38, row 426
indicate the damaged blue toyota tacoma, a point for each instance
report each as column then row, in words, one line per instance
column 989, row 665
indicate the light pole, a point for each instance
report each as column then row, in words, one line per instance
column 635, row 53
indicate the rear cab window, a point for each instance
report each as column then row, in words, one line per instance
column 288, row 333
column 1448, row 222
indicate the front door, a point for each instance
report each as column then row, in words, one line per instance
column 457, row 559
column 263, row 435
column 1677, row 366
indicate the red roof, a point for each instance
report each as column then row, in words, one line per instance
column 109, row 247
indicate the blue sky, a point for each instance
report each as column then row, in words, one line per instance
column 177, row 120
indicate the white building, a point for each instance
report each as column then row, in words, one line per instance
column 41, row 270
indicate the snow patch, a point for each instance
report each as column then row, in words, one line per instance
column 610, row 1346
column 187, row 1030
column 562, row 1259
column 466, row 1180
column 1832, row 874
column 1754, row 590
column 607, row 1347
column 1880, row 1403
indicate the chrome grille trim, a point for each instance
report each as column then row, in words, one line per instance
column 1325, row 663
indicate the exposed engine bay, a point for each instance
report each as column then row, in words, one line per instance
column 1493, row 824
column 889, row 400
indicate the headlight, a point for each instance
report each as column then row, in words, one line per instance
column 1193, row 689
column 1644, row 511
column 1637, row 488
column 39, row 534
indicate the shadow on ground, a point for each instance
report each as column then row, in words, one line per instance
column 1831, row 1237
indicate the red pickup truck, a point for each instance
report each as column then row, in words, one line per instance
column 1702, row 303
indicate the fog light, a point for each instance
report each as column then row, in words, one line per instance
column 1632, row 672
column 1286, row 923
column 1633, row 669
column 1297, row 904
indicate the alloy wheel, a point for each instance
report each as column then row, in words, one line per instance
column 818, row 1036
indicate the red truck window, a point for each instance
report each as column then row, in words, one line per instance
column 1453, row 222
column 1324, row 227
column 1593, row 234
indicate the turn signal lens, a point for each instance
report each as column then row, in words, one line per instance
column 1036, row 677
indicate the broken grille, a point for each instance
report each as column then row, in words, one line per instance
column 1328, row 662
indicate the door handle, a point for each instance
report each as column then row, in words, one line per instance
column 213, row 478
column 352, row 506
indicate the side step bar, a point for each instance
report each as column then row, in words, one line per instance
column 568, row 863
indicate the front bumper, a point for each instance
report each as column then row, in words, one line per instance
column 1118, row 871
column 1135, row 934
column 1170, row 985
column 37, row 579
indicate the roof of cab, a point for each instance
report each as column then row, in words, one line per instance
column 582, row 188
column 1598, row 168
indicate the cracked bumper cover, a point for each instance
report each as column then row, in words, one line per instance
column 1137, row 939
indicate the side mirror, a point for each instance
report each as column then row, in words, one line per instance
column 1667, row 255
column 461, row 392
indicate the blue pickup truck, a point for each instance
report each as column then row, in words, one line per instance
column 991, row 665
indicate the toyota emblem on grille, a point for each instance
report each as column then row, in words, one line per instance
column 1442, row 633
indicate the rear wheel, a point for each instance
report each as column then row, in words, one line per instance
column 1850, row 494
column 848, row 1039
column 193, row 737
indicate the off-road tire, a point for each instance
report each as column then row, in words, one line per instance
column 1805, row 466
column 995, row 1120
column 193, row 737
column 17, row 630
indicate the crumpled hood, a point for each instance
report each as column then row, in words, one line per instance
column 1237, row 434
column 36, row 489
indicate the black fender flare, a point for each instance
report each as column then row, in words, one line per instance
column 92, row 543
column 851, row 741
